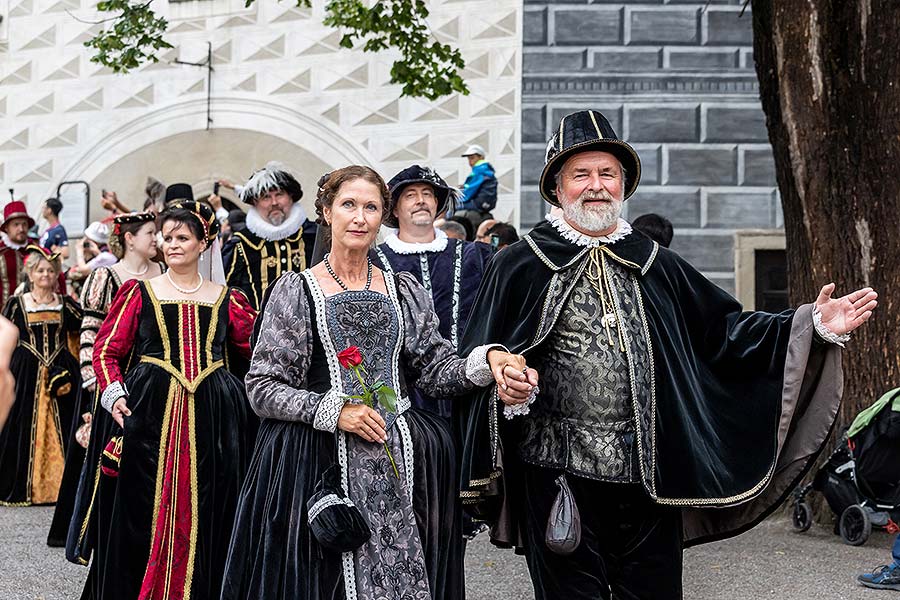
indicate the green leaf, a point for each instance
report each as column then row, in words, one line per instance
column 424, row 67
column 387, row 398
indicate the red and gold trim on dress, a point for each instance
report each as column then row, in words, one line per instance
column 173, row 546
column 170, row 566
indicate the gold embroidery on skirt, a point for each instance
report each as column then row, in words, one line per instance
column 48, row 458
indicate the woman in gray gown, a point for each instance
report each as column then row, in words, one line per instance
column 311, row 423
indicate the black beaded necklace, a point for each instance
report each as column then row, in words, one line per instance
column 341, row 283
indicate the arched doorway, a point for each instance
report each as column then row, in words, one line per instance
column 172, row 145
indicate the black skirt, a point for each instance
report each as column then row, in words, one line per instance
column 130, row 504
column 272, row 553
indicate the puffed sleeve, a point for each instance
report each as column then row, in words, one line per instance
column 281, row 359
column 94, row 303
column 437, row 369
column 114, row 342
column 240, row 322
column 236, row 267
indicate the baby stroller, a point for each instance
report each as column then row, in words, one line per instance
column 861, row 478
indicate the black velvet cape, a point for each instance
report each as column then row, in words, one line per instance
column 717, row 417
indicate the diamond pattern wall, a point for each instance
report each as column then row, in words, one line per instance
column 57, row 106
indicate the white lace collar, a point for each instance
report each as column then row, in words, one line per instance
column 623, row 228
column 438, row 244
column 259, row 226
column 9, row 243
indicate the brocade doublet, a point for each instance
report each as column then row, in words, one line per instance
column 583, row 420
column 253, row 263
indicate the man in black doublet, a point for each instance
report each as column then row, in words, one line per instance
column 272, row 241
column 674, row 417
column 449, row 269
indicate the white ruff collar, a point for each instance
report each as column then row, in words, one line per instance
column 438, row 244
column 9, row 243
column 259, row 226
column 623, row 228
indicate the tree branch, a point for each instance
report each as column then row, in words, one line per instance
column 426, row 68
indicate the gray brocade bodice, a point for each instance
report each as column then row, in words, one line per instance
column 583, row 420
column 369, row 321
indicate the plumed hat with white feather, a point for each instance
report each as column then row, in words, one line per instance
column 274, row 176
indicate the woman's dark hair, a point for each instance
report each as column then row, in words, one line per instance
column 185, row 217
column 331, row 183
column 117, row 241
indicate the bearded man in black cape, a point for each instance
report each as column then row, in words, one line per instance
column 666, row 416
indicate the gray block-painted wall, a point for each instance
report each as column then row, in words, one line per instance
column 676, row 79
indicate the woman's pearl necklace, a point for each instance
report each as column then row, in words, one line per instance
column 139, row 273
column 182, row 290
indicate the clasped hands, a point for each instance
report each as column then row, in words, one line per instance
column 515, row 383
column 515, row 380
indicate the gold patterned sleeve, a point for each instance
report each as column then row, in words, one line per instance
column 95, row 300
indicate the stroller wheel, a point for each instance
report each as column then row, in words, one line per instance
column 801, row 517
column 855, row 525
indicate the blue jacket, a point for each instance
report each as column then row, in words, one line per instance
column 482, row 172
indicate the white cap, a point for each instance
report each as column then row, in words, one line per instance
column 474, row 149
column 97, row 232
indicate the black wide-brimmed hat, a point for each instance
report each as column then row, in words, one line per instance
column 274, row 176
column 179, row 191
column 418, row 174
column 585, row 131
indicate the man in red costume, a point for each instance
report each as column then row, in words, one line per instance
column 13, row 239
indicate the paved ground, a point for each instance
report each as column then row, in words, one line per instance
column 768, row 562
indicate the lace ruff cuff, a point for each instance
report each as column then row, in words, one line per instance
column 825, row 333
column 478, row 370
column 113, row 392
column 518, row 410
column 328, row 411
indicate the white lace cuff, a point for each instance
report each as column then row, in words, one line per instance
column 478, row 370
column 329, row 410
column 89, row 382
column 511, row 411
column 113, row 392
column 825, row 333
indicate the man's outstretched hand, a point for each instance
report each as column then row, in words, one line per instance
column 843, row 315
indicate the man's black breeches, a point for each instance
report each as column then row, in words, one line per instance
column 630, row 547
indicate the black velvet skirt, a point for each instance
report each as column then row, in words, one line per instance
column 65, row 501
column 164, row 530
column 274, row 556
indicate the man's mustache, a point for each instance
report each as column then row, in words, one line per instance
column 591, row 195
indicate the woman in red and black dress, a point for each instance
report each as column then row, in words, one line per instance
column 188, row 429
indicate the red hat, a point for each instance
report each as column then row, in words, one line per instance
column 14, row 210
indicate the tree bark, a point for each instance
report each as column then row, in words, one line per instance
column 830, row 88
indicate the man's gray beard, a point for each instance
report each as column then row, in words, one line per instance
column 422, row 219
column 597, row 219
column 277, row 218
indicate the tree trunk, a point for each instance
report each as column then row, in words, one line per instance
column 830, row 87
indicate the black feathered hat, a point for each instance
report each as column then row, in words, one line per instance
column 179, row 191
column 582, row 132
column 417, row 174
column 274, row 176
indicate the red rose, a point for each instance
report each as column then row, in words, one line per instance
column 349, row 358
